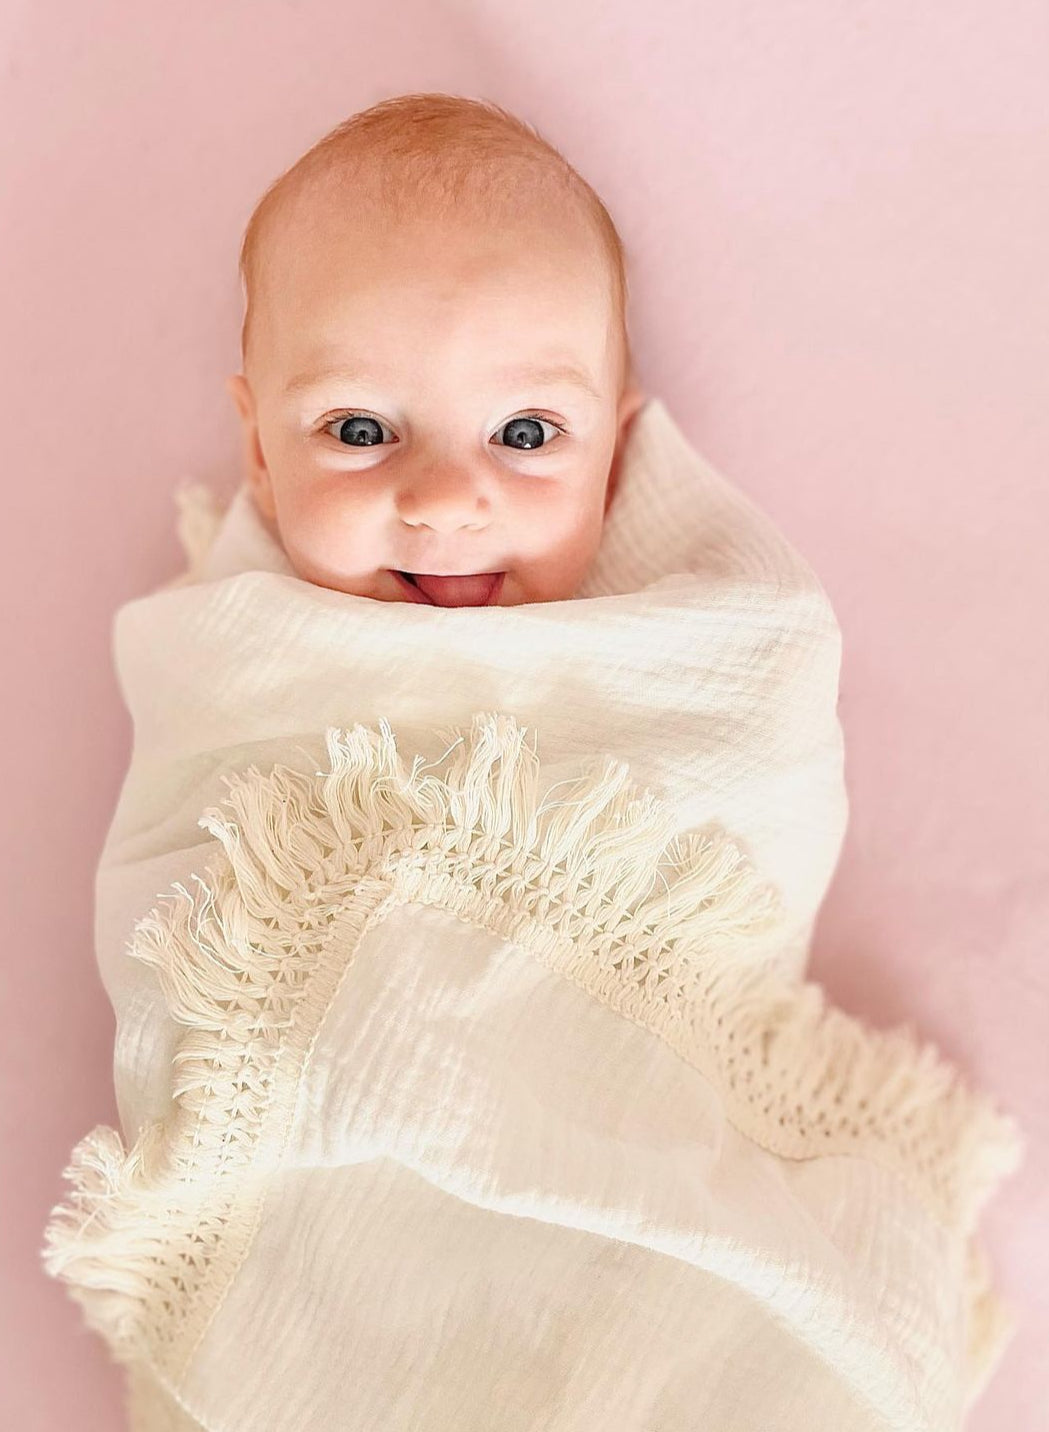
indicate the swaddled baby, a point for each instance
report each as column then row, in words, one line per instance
column 437, row 382
column 462, row 1085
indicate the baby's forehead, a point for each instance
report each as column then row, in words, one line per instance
column 322, row 274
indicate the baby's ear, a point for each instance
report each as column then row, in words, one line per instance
column 630, row 403
column 255, row 469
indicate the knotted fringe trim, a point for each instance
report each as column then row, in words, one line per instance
column 251, row 962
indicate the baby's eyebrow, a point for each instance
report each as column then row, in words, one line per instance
column 549, row 376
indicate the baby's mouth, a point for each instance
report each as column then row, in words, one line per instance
column 479, row 589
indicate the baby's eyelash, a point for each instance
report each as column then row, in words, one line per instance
column 539, row 417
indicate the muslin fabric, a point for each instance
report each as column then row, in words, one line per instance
column 467, row 1072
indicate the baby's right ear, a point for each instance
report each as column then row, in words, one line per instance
column 255, row 469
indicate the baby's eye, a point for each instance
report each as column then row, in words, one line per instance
column 523, row 432
column 356, row 430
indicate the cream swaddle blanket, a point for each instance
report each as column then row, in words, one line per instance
column 466, row 1068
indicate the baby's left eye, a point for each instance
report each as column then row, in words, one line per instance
column 523, row 432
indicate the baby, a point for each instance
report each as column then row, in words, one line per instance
column 467, row 1076
column 434, row 279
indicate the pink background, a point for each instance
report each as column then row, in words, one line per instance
column 837, row 223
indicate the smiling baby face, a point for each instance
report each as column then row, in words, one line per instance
column 436, row 392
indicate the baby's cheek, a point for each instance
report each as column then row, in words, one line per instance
column 330, row 540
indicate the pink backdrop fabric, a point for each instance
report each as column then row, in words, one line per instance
column 836, row 218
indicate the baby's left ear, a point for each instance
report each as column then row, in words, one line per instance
column 630, row 404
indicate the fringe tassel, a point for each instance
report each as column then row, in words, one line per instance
column 577, row 881
column 106, row 1240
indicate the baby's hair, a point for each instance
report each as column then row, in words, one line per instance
column 442, row 153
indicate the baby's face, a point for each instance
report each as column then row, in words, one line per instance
column 405, row 409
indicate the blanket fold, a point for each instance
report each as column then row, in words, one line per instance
column 467, row 1071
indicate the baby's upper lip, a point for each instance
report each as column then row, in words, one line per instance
column 412, row 573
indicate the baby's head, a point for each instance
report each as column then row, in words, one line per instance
column 437, row 373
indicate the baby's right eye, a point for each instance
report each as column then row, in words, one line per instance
column 356, row 430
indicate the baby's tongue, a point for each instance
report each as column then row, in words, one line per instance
column 458, row 591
